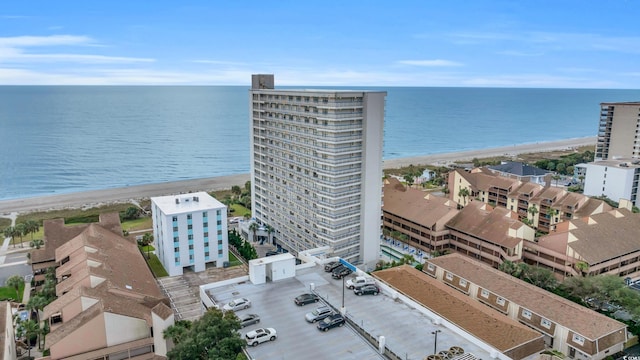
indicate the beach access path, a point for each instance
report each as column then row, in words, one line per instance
column 137, row 192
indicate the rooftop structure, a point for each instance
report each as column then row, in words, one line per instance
column 521, row 171
column 316, row 167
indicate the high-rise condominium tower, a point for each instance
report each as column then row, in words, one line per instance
column 619, row 131
column 316, row 167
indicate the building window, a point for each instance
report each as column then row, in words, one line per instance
column 190, row 237
column 204, row 214
column 500, row 301
column 175, row 218
column 449, row 276
column 219, row 242
column 177, row 259
column 206, row 254
column 175, row 228
column 545, row 323
column 484, row 293
column 431, row 267
column 219, row 232
column 220, row 252
column 190, row 247
column 191, row 257
column 188, row 216
column 578, row 339
column 189, row 227
column 206, row 244
column 176, row 239
column 526, row 314
column 219, row 222
column 206, row 234
column 205, row 224
column 176, row 249
column 463, row 282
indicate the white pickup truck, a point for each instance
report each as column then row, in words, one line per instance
column 358, row 281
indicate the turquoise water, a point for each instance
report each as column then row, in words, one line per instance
column 61, row 139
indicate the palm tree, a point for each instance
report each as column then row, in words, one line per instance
column 533, row 211
column 21, row 230
column 464, row 192
column 32, row 227
column 270, row 230
column 30, row 329
column 409, row 179
column 15, row 281
column 253, row 228
column 11, row 232
column 582, row 267
column 556, row 177
column 36, row 244
column 147, row 239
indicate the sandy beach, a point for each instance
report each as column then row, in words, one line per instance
column 97, row 197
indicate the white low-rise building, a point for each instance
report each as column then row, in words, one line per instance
column 190, row 231
column 616, row 179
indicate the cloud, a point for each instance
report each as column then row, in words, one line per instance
column 430, row 63
column 13, row 50
column 519, row 53
column 53, row 40
column 219, row 62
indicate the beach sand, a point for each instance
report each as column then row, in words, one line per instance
column 127, row 194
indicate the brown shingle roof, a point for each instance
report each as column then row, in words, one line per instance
column 527, row 188
column 494, row 328
column 613, row 234
column 484, row 222
column 416, row 206
column 579, row 319
column 591, row 206
column 56, row 233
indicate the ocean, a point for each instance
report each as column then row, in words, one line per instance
column 62, row 139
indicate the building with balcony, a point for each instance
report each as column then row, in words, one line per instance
column 541, row 206
column 605, row 243
column 8, row 350
column 316, row 167
column 190, row 231
column 615, row 179
column 108, row 303
column 618, row 131
column 574, row 330
column 434, row 224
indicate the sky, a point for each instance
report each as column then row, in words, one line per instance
column 453, row 43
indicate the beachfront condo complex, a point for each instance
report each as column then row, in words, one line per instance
column 190, row 231
column 619, row 131
column 316, row 167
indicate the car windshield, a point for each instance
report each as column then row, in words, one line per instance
column 327, row 320
column 315, row 312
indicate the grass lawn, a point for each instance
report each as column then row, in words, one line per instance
column 144, row 249
column 76, row 215
column 233, row 260
column 4, row 223
column 10, row 293
column 142, row 223
column 239, row 210
column 156, row 266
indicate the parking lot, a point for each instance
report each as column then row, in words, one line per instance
column 407, row 331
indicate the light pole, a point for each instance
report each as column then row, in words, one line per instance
column 435, row 342
column 343, row 294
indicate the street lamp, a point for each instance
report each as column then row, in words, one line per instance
column 435, row 342
column 343, row 295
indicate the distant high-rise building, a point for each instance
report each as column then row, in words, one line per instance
column 190, row 231
column 316, row 167
column 619, row 131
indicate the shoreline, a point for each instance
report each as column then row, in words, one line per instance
column 136, row 192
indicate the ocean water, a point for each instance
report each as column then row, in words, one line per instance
column 61, row 139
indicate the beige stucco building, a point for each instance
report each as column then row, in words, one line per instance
column 108, row 304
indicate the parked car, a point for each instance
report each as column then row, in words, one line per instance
column 259, row 336
column 335, row 320
column 341, row 273
column 305, row 299
column 249, row 319
column 358, row 281
column 237, row 304
column 318, row 314
column 328, row 267
column 272, row 253
column 368, row 289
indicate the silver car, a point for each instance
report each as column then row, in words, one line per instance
column 237, row 304
column 318, row 314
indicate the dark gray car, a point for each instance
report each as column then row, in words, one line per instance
column 249, row 319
